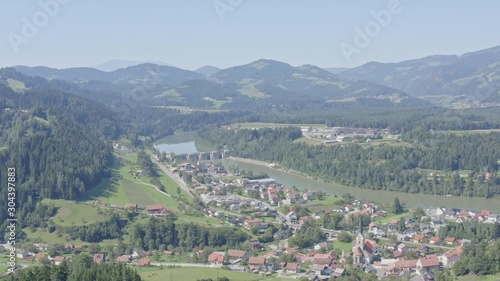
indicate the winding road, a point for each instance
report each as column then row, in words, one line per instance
column 173, row 176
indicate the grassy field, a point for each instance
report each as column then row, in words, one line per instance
column 62, row 238
column 390, row 216
column 71, row 213
column 193, row 274
column 344, row 246
column 50, row 238
column 16, row 85
column 309, row 141
column 123, row 188
column 328, row 203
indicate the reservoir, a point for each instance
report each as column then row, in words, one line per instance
column 185, row 144
column 178, row 143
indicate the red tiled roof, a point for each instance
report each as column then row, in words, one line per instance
column 123, row 259
column 144, row 262
column 257, row 261
column 292, row 266
column 215, row 257
column 418, row 237
column 449, row 239
column 236, row 253
column 429, row 261
column 154, row 207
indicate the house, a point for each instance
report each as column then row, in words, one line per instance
column 144, row 262
column 434, row 240
column 429, row 263
column 452, row 256
column 418, row 238
column 138, row 254
column 423, row 249
column 402, row 266
column 123, row 259
column 59, row 260
column 410, row 232
column 99, row 258
column 42, row 246
column 154, row 208
column 391, row 246
column 338, row 272
column 237, row 255
column 292, row 267
column 216, row 258
column 292, row 217
column 256, row 245
column 402, row 248
column 22, row 254
column 450, row 240
column 257, row 263
column 40, row 256
column 320, row 269
column 303, row 219
column 324, row 259
column 250, row 223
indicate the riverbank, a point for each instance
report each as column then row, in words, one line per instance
column 274, row 167
column 412, row 200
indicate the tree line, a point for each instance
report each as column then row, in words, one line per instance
column 165, row 231
column 432, row 163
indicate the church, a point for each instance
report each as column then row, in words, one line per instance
column 364, row 250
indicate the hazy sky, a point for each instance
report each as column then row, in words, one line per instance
column 192, row 33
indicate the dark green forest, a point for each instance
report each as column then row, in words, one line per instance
column 482, row 259
column 157, row 232
column 57, row 143
column 476, row 232
column 384, row 167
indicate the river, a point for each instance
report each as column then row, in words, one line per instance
column 186, row 144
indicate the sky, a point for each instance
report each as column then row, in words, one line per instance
column 223, row 33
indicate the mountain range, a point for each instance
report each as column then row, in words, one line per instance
column 446, row 80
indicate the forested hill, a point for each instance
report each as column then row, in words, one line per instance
column 430, row 162
column 58, row 143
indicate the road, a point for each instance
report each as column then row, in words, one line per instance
column 173, row 176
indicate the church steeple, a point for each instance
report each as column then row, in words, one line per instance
column 360, row 227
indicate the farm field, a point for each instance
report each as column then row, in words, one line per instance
column 123, row 188
column 72, row 213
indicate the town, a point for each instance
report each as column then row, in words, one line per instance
column 353, row 233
